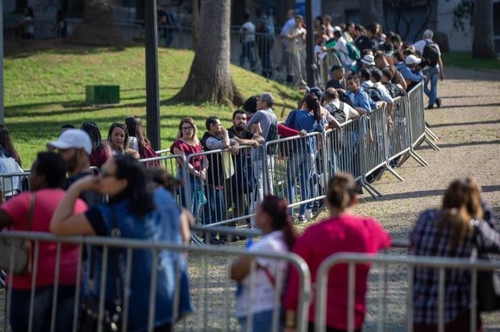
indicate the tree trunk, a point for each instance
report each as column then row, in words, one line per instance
column 483, row 46
column 97, row 25
column 210, row 78
column 195, row 24
column 371, row 12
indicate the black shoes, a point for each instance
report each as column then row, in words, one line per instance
column 438, row 102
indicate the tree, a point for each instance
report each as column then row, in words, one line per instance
column 209, row 79
column 97, row 25
column 483, row 46
column 195, row 24
column 371, row 12
column 403, row 22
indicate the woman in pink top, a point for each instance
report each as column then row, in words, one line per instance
column 47, row 177
column 186, row 144
column 342, row 232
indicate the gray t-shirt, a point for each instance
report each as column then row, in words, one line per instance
column 265, row 118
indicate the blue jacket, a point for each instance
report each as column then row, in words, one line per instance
column 161, row 225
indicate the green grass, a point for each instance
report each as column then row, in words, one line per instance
column 45, row 89
column 465, row 60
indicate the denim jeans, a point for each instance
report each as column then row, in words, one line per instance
column 299, row 168
column 261, row 321
column 42, row 309
column 247, row 53
column 432, row 75
column 194, row 186
column 215, row 209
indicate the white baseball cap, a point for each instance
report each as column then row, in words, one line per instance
column 412, row 60
column 73, row 139
column 337, row 28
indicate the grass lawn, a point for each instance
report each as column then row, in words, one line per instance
column 465, row 60
column 45, row 89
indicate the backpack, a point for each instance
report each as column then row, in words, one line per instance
column 272, row 135
column 352, row 51
column 338, row 112
column 373, row 93
column 431, row 53
column 394, row 90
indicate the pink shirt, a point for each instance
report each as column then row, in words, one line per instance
column 347, row 233
column 189, row 149
column 46, row 201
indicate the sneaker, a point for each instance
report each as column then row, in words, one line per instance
column 302, row 219
column 430, row 107
column 308, row 214
column 438, row 102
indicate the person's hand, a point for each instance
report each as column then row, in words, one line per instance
column 234, row 149
column 203, row 175
column 441, row 75
column 89, row 182
column 302, row 133
column 255, row 143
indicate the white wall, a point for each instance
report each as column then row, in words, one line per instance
column 458, row 40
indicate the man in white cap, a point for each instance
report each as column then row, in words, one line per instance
column 407, row 71
column 75, row 146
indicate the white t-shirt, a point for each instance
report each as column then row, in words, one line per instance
column 248, row 32
column 297, row 44
column 132, row 143
column 284, row 31
column 262, row 292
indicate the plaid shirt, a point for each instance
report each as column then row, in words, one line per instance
column 426, row 242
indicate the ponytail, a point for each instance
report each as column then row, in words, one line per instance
column 277, row 209
column 341, row 191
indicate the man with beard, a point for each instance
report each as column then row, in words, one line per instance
column 242, row 182
column 75, row 146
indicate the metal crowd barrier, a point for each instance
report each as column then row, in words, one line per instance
column 383, row 286
column 211, row 291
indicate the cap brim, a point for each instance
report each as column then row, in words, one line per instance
column 59, row 145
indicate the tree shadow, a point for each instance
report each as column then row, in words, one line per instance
column 458, row 145
column 469, row 106
column 439, row 125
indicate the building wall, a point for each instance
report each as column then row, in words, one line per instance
column 457, row 40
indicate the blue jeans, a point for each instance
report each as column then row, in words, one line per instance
column 247, row 53
column 432, row 75
column 42, row 309
column 262, row 321
column 194, row 186
column 299, row 166
column 215, row 209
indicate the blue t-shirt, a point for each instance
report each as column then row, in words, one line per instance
column 304, row 120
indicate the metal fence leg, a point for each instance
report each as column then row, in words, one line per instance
column 430, row 133
column 371, row 190
column 432, row 144
column 393, row 172
column 419, row 159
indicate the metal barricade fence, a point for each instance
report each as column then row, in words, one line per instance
column 211, row 291
column 230, row 191
column 384, row 281
column 12, row 184
column 399, row 135
column 297, row 169
column 169, row 162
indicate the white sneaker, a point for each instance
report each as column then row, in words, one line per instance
column 302, row 219
column 308, row 214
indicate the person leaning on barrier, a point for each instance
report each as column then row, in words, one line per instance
column 341, row 111
column 359, row 98
column 450, row 232
column 140, row 213
column 341, row 232
column 47, row 177
column 75, row 146
column 274, row 220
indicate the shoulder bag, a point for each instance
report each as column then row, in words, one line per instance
column 488, row 282
column 19, row 249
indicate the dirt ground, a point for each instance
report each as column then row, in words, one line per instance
column 468, row 130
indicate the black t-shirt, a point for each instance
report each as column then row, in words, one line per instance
column 91, row 197
column 245, row 134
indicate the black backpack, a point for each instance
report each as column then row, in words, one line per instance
column 272, row 135
column 431, row 53
column 373, row 93
column 394, row 90
column 338, row 112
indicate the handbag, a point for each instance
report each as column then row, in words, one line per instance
column 19, row 249
column 112, row 318
column 488, row 282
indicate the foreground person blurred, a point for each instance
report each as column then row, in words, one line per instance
column 342, row 232
column 275, row 221
column 450, row 232
column 139, row 213
column 32, row 211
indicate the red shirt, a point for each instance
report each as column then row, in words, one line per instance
column 46, row 201
column 189, row 149
column 347, row 233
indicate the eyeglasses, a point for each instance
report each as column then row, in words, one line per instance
column 107, row 175
column 187, row 128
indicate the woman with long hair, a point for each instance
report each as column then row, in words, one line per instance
column 186, row 144
column 302, row 152
column 7, row 144
column 32, row 211
column 342, row 231
column 100, row 152
column 278, row 236
column 449, row 232
column 118, row 140
column 140, row 142
column 140, row 213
